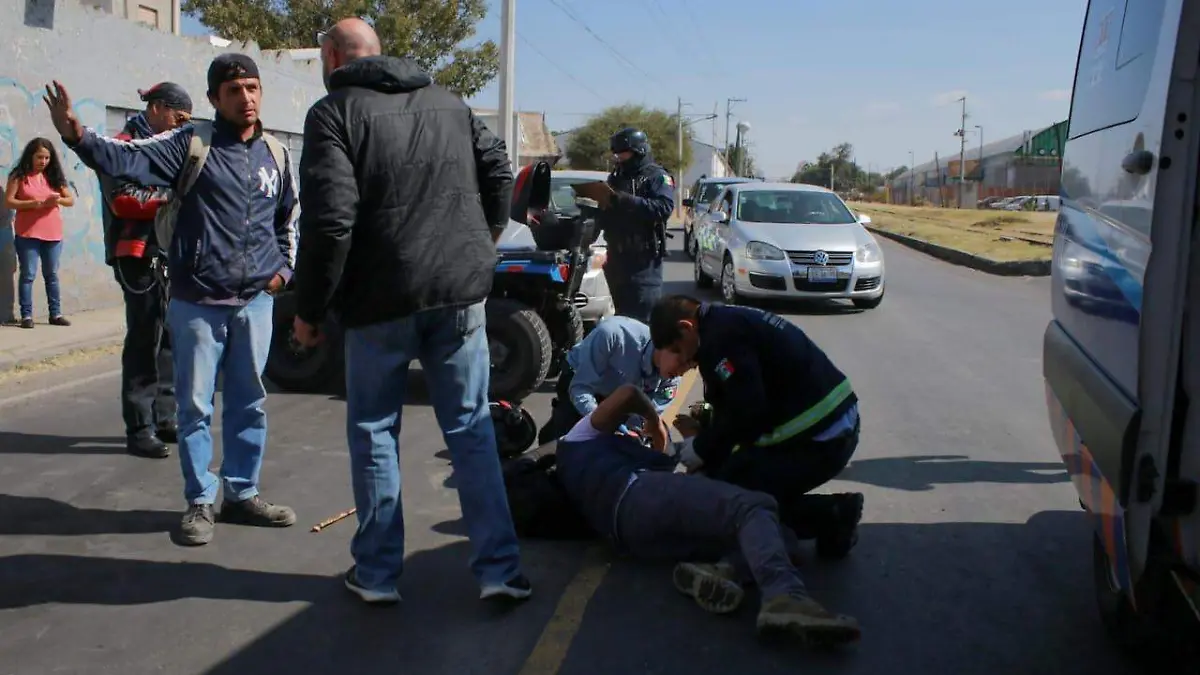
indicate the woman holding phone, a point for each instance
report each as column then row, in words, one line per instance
column 36, row 191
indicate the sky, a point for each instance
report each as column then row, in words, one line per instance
column 882, row 75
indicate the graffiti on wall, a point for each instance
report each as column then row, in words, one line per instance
column 23, row 117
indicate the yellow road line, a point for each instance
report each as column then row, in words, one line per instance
column 556, row 638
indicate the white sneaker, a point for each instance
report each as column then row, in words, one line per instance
column 516, row 588
column 386, row 597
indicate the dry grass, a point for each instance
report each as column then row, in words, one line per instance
column 997, row 235
column 16, row 374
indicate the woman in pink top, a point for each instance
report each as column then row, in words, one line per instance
column 36, row 190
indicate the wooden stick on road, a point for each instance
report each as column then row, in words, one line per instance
column 330, row 521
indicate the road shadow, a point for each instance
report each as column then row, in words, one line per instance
column 15, row 443
column 29, row 580
column 980, row 598
column 416, row 395
column 50, row 517
column 920, row 473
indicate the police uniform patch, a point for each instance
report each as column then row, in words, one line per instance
column 668, row 181
column 670, row 392
column 724, row 369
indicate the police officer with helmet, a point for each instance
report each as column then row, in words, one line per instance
column 641, row 196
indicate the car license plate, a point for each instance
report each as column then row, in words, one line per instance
column 822, row 275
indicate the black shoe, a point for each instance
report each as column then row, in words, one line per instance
column 167, row 433
column 257, row 512
column 26, row 323
column 59, row 320
column 196, row 529
column 147, row 446
column 516, row 588
column 836, row 538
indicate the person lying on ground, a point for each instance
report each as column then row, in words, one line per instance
column 630, row 494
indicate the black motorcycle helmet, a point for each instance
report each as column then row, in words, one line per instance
column 631, row 139
column 515, row 428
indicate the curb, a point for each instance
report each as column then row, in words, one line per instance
column 1013, row 268
column 82, row 346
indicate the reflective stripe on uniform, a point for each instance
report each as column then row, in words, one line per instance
column 805, row 420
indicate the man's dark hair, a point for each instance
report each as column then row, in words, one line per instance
column 665, row 318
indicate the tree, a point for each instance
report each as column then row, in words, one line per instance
column 839, row 164
column 431, row 32
column 588, row 148
column 734, row 154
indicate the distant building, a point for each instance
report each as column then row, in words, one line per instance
column 1029, row 163
column 161, row 15
column 536, row 142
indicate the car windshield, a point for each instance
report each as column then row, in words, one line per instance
column 793, row 206
column 709, row 192
column 562, row 195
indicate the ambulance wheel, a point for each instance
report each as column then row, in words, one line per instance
column 702, row 280
column 296, row 368
column 520, row 348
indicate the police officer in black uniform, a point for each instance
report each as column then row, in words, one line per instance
column 784, row 418
column 635, row 224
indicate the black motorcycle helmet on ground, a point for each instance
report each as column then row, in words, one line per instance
column 630, row 139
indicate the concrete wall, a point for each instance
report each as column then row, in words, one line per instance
column 163, row 15
column 103, row 60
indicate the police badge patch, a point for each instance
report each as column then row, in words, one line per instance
column 668, row 181
column 724, row 369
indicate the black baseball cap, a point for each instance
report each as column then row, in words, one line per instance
column 229, row 67
column 169, row 94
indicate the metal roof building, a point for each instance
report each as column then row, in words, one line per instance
column 1025, row 163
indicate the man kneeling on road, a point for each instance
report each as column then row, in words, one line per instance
column 785, row 419
column 618, row 351
column 631, row 494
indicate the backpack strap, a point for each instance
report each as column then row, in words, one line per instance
column 197, row 154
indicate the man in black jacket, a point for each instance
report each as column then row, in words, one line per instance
column 403, row 195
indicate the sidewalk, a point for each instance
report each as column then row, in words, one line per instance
column 88, row 330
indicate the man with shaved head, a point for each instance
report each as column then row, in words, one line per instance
column 403, row 195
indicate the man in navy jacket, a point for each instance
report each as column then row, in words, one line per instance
column 233, row 247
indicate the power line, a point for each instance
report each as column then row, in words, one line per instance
column 571, row 15
column 559, row 68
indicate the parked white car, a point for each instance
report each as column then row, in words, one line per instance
column 790, row 241
column 593, row 300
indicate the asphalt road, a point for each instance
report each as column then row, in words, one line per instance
column 974, row 554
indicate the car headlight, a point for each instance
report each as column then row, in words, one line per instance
column 868, row 253
column 757, row 250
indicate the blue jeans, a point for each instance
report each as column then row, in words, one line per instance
column 234, row 341
column 452, row 346
column 29, row 251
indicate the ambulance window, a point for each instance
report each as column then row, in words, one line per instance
column 1110, row 80
column 1139, row 32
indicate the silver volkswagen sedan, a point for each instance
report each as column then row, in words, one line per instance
column 787, row 241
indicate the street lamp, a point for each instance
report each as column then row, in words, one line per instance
column 980, row 162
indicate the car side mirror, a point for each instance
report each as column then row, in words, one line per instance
column 689, row 203
column 720, row 216
column 864, row 219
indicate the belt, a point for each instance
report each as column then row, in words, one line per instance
column 805, row 420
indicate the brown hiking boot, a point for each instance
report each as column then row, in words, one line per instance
column 807, row 620
column 714, row 587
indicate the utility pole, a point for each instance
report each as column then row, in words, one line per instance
column 979, row 164
column 912, row 178
column 962, row 151
column 679, row 148
column 508, row 59
column 715, row 116
column 728, row 116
